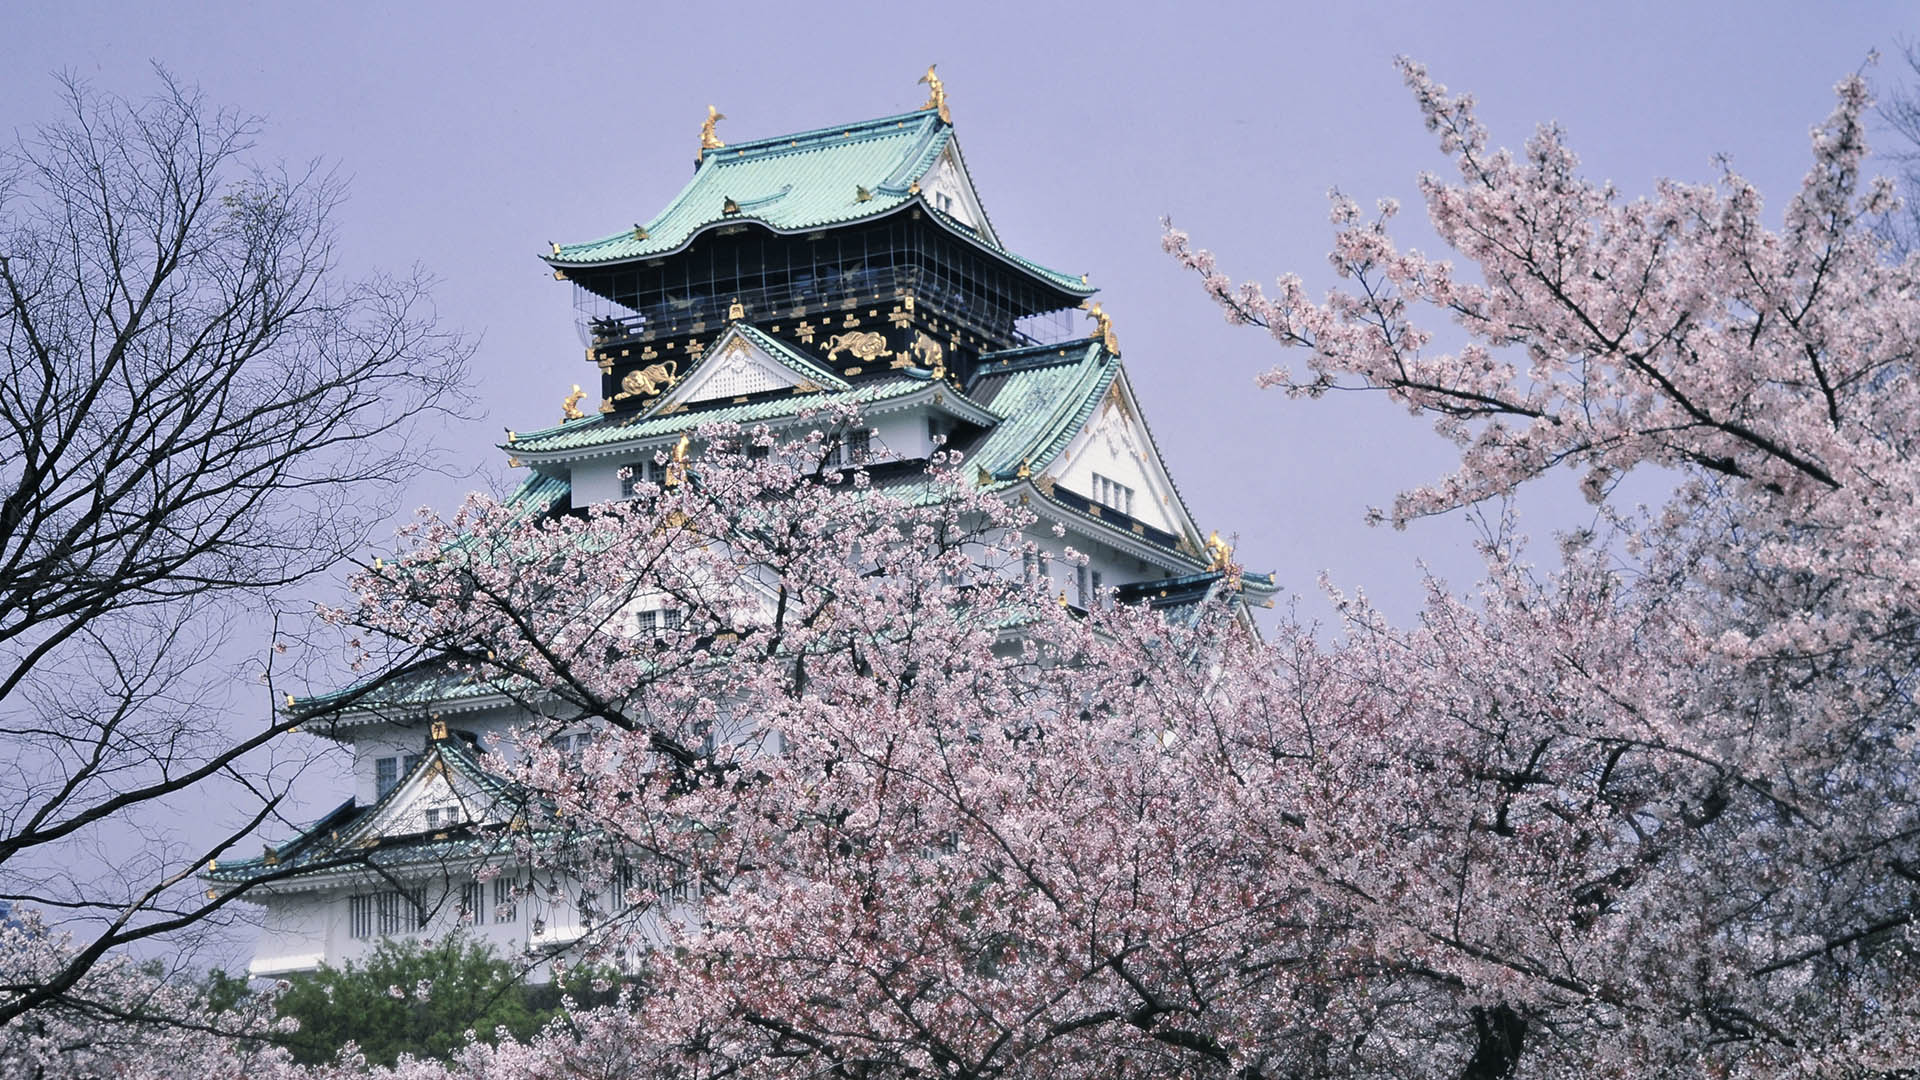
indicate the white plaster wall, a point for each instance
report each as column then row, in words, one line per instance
column 598, row 481
column 295, row 935
column 373, row 743
column 903, row 435
column 1115, row 567
column 1114, row 446
column 302, row 930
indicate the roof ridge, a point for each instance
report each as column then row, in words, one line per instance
column 823, row 134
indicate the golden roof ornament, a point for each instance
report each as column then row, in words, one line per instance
column 439, row 731
column 570, row 408
column 736, row 310
column 709, row 140
column 1102, row 326
column 936, row 94
column 1219, row 552
column 677, row 467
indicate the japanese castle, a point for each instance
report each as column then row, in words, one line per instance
column 850, row 265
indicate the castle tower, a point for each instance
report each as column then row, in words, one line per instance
column 849, row 265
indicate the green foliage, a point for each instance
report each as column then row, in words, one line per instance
column 223, row 992
column 380, row 1006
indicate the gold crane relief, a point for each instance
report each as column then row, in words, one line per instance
column 864, row 346
column 648, row 381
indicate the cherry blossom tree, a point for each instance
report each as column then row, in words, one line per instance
column 1648, row 812
column 877, row 805
column 124, row 1020
column 934, row 820
column 1666, row 802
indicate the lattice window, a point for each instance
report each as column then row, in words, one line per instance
column 853, row 449
column 473, row 903
column 360, row 916
column 388, row 771
column 1112, row 494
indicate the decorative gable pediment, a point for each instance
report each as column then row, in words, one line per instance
column 1113, row 463
column 436, row 795
column 745, row 362
column 948, row 189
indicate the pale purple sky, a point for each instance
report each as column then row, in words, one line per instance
column 475, row 133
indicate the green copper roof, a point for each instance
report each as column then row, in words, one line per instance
column 538, row 494
column 340, row 840
column 1042, row 405
column 432, row 684
column 795, row 183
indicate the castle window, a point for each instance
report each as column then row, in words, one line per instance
column 1112, row 494
column 505, row 908
column 852, row 449
column 388, row 771
column 385, row 913
column 473, row 902
column 644, row 469
column 397, row 912
column 659, row 620
column 626, row 880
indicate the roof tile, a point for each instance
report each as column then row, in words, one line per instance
column 803, row 181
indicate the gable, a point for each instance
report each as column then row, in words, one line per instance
column 434, row 796
column 947, row 188
column 742, row 363
column 1112, row 461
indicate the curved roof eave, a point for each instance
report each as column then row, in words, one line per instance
column 1047, row 276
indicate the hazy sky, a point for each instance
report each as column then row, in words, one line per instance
column 475, row 133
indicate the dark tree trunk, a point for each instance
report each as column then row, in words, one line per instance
column 1497, row 1032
